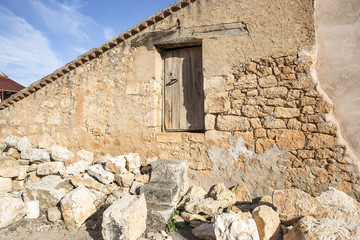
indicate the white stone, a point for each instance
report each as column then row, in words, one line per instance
column 45, row 142
column 133, row 163
column 23, row 144
column 135, row 187
column 77, row 206
column 22, row 172
column 98, row 172
column 35, row 155
column 340, row 206
column 5, row 184
column 204, row 231
column 9, row 167
column 267, row 222
column 116, row 165
column 50, row 168
column 33, row 209
column 124, row 180
column 75, row 169
column 49, row 191
column 12, row 141
column 12, row 209
column 60, row 154
column 207, row 206
column 125, row 219
column 86, row 156
column 53, row 214
column 233, row 225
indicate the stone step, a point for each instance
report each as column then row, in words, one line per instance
column 158, row 216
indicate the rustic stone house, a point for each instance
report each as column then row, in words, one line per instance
column 8, row 87
column 233, row 87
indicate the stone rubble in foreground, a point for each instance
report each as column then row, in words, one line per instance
column 48, row 180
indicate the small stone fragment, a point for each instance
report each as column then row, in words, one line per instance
column 133, row 162
column 124, row 180
column 86, row 156
column 53, row 214
column 116, row 165
column 12, row 209
column 242, row 194
column 60, row 154
column 267, row 222
column 97, row 171
column 50, row 168
column 204, row 231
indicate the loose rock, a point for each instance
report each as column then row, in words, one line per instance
column 60, row 154
column 12, row 209
column 97, row 171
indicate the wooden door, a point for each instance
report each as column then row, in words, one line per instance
column 183, row 94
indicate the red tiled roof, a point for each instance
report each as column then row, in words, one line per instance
column 96, row 52
column 10, row 85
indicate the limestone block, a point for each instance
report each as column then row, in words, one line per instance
column 310, row 228
column 12, row 209
column 210, row 121
column 263, row 145
column 33, row 209
column 193, row 191
column 60, row 154
column 18, row 185
column 22, row 172
column 86, row 156
column 45, row 142
column 53, row 214
column 232, row 123
column 251, row 111
column 125, row 219
column 11, row 141
column 267, row 222
column 274, row 92
column 133, row 163
column 87, row 182
column 116, row 165
column 247, row 82
column 340, row 206
column 217, row 104
column 9, row 167
column 97, row 171
column 233, row 225
column 171, row 171
column 35, row 155
column 50, row 168
column 242, row 194
column 164, row 193
column 207, row 206
column 74, row 169
column 292, row 204
column 48, row 191
column 135, row 188
column 275, row 124
column 77, row 206
column 281, row 112
column 318, row 141
column 158, row 216
column 290, row 139
column 23, row 144
column 204, row 231
column 221, row 193
column 124, row 180
column 268, row 81
column 12, row 152
column 5, row 184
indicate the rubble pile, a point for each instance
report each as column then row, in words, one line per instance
column 137, row 199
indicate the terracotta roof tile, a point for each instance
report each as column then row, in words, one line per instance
column 10, row 85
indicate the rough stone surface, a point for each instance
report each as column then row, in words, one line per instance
column 12, row 209
column 9, row 167
column 135, row 187
column 207, row 206
column 171, row 171
column 35, row 155
column 86, row 156
column 204, row 231
column 221, row 193
column 97, row 171
column 11, row 141
column 163, row 193
column 116, row 165
column 77, row 206
column 45, row 142
column 50, row 168
column 76, row 168
column 310, row 228
column 87, row 182
column 233, row 225
column 60, row 154
column 241, row 194
column 124, row 180
column 292, row 204
column 23, row 144
column 133, row 163
column 48, row 191
column 231, row 123
column 53, row 214
column 5, row 184
column 267, row 222
column 125, row 219
column 193, row 191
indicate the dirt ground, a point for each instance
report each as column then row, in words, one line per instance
column 41, row 229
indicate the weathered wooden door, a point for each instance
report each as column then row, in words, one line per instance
column 184, row 95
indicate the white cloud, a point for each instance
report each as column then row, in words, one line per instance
column 65, row 18
column 80, row 50
column 25, row 53
column 109, row 33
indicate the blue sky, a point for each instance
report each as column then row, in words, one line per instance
column 39, row 36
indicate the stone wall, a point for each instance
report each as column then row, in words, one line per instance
column 265, row 122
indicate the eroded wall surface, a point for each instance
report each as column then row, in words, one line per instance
column 265, row 122
column 338, row 62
